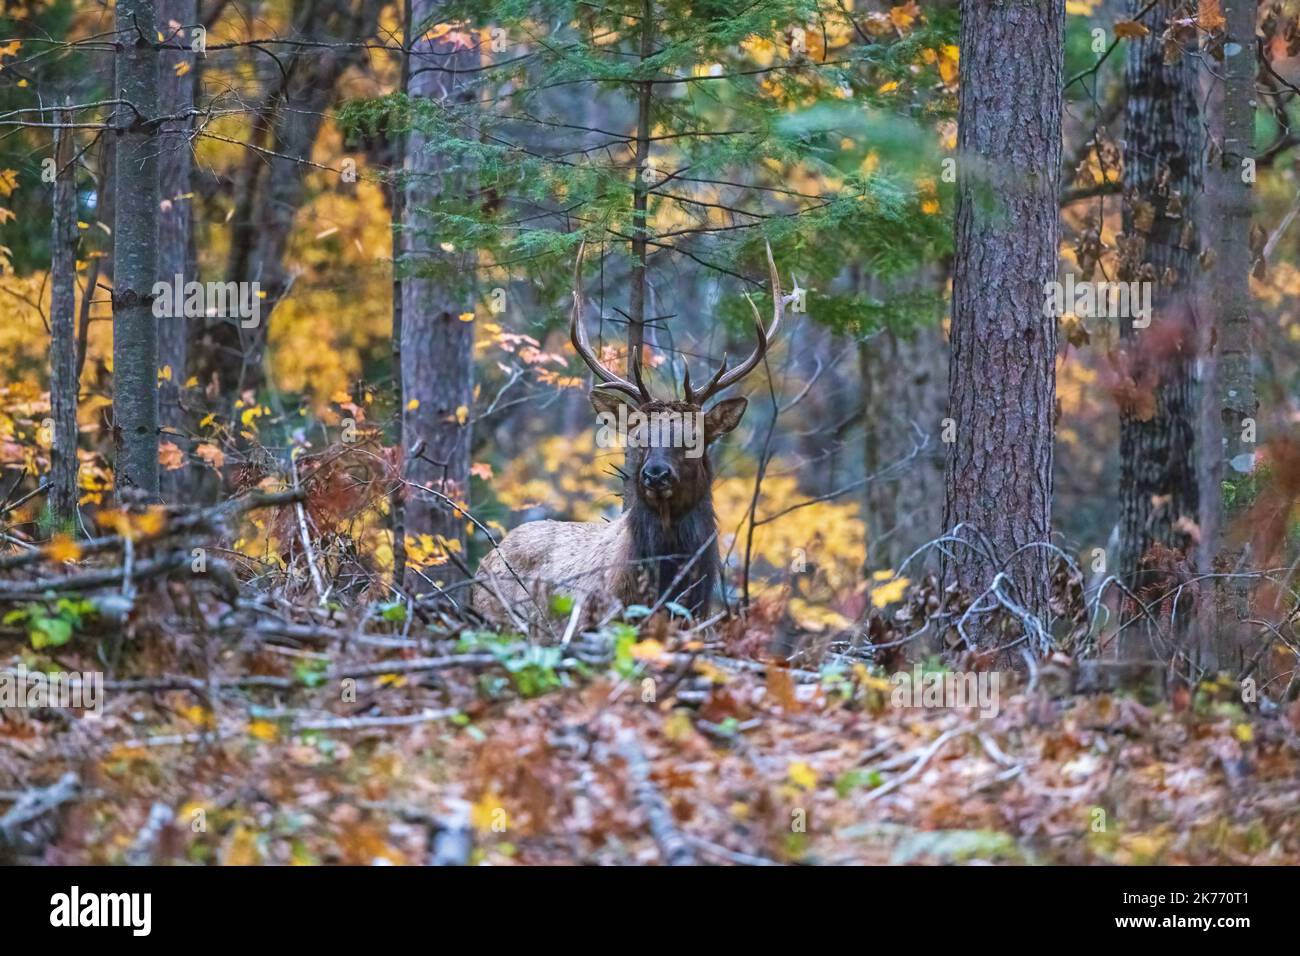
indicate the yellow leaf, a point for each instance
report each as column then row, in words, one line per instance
column 413, row 404
column 165, row 373
column 462, row 415
column 197, row 714
column 802, row 775
column 1244, row 732
column 903, row 16
column 678, row 726
column 488, row 811
column 889, row 592
column 263, row 730
column 240, row 848
column 713, row 674
column 150, row 522
column 467, row 316
column 62, row 548
column 949, row 60
column 192, row 382
column 181, row 68
column 648, row 650
column 249, row 415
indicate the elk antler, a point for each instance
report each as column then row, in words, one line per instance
column 723, row 378
column 608, row 380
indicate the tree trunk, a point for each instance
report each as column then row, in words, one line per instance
column 902, row 387
column 63, row 336
column 640, row 196
column 1159, row 492
column 135, row 253
column 397, row 212
column 175, row 96
column 272, row 188
column 1002, row 374
column 437, row 349
column 1230, row 305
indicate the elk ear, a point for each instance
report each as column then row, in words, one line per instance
column 723, row 417
column 606, row 402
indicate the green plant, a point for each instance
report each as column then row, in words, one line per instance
column 52, row 624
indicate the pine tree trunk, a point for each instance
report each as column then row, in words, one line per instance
column 1002, row 374
column 135, row 253
column 1159, row 491
column 397, row 212
column 1230, row 305
column 176, row 95
column 902, row 386
column 640, row 197
column 63, row 336
column 437, row 349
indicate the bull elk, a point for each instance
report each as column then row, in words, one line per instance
column 663, row 547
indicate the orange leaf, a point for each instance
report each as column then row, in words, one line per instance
column 1130, row 30
column 170, row 456
column 62, row 548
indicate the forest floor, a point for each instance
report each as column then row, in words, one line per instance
column 242, row 725
column 733, row 762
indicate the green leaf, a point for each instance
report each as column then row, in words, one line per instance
column 396, row 611
column 50, row 631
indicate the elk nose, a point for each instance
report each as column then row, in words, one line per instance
column 655, row 474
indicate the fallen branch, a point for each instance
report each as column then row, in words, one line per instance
column 673, row 847
column 33, row 805
column 184, row 522
column 89, row 580
column 415, row 665
column 920, row 763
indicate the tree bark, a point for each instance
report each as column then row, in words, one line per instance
column 640, row 196
column 397, row 212
column 1159, row 491
column 902, row 386
column 1230, row 305
column 63, row 335
column 135, row 253
column 1002, row 374
column 437, row 349
column 176, row 95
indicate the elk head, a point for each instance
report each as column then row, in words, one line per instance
column 667, row 441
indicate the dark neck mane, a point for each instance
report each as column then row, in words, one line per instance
column 661, row 550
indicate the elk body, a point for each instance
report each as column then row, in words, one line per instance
column 663, row 547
